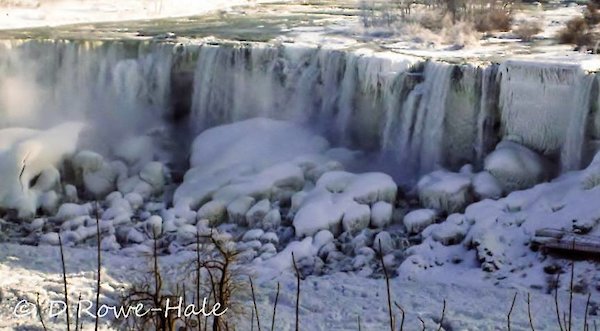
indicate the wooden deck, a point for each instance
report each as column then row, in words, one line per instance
column 553, row 239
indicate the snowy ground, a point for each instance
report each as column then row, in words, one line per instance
column 18, row 14
column 332, row 302
column 332, row 23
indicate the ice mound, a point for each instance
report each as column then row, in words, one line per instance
column 28, row 162
column 225, row 161
column 516, row 167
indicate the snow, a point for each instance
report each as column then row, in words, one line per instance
column 329, row 302
column 34, row 13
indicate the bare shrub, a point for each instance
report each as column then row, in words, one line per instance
column 497, row 19
column 582, row 31
column 575, row 32
column 527, row 30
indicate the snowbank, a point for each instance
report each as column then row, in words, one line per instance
column 497, row 234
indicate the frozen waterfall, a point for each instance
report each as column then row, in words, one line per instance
column 412, row 115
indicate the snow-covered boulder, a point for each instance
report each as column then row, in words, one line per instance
column 445, row 191
column 214, row 211
column 450, row 232
column 486, row 186
column 384, row 239
column 381, row 214
column 356, row 217
column 272, row 220
column 319, row 212
column 96, row 176
column 517, row 167
column 258, row 212
column 591, row 175
column 417, row 220
column 71, row 210
column 154, row 173
column 238, row 208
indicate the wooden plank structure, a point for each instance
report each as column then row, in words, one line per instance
column 566, row 241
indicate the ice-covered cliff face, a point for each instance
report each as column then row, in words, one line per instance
column 413, row 115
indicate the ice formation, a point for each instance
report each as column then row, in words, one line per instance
column 29, row 165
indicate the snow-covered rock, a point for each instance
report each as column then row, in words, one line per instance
column 214, row 211
column 356, row 217
column 384, row 239
column 97, row 176
column 272, row 220
column 252, row 235
column 445, row 191
column 238, row 208
column 450, row 232
column 486, row 186
column 337, row 193
column 381, row 214
column 71, row 210
column 153, row 173
column 516, row 167
column 258, row 212
column 417, row 220
column 319, row 212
